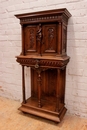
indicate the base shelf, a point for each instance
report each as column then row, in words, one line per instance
column 46, row 111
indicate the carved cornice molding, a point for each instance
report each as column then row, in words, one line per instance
column 42, row 18
column 39, row 18
column 56, row 15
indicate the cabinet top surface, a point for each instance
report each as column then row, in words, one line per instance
column 45, row 13
column 43, row 57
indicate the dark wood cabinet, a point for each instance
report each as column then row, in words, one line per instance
column 44, row 42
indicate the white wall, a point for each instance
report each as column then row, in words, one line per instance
column 10, row 46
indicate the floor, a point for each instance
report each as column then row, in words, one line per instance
column 13, row 119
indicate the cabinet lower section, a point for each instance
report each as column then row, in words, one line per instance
column 47, row 110
column 47, row 93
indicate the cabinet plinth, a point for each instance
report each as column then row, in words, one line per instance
column 44, row 50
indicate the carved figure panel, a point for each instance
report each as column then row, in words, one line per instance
column 30, row 38
column 39, row 33
column 50, row 38
column 50, row 34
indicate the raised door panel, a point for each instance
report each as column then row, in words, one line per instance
column 30, row 39
column 49, row 42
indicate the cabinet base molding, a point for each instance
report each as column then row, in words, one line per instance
column 31, row 107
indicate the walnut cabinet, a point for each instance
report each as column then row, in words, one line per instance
column 44, row 50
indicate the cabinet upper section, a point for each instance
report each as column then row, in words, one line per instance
column 45, row 32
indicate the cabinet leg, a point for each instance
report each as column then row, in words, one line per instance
column 39, row 90
column 23, row 85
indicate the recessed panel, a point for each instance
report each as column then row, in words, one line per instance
column 48, row 84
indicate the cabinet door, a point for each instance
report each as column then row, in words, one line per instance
column 30, row 39
column 49, row 39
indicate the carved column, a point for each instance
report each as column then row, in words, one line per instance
column 23, row 84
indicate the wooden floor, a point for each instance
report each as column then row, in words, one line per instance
column 12, row 119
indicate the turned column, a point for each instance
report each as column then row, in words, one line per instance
column 58, row 89
column 23, row 84
column 39, row 89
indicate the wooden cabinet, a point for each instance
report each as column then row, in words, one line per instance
column 44, row 42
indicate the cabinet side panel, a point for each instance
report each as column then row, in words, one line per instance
column 64, row 39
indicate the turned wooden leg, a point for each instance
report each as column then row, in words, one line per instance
column 23, row 84
column 39, row 89
column 58, row 90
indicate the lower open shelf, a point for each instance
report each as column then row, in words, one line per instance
column 46, row 111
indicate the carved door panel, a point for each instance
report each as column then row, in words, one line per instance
column 49, row 39
column 30, row 39
column 40, row 39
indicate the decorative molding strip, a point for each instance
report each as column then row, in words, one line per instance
column 39, row 18
column 45, row 63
